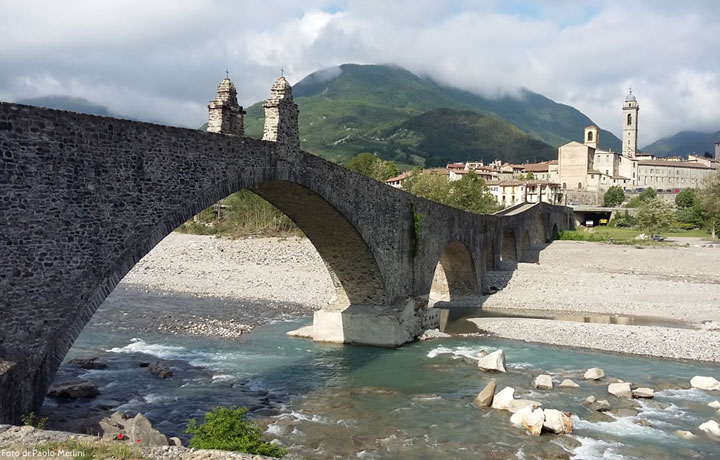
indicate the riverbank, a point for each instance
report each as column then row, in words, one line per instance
column 263, row 279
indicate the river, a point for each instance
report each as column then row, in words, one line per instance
column 326, row 401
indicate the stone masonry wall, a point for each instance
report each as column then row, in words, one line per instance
column 83, row 198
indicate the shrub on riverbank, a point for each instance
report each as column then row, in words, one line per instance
column 226, row 428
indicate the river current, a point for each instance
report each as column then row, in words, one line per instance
column 326, row 401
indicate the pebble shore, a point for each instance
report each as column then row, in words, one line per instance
column 674, row 283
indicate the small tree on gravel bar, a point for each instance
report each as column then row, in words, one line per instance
column 226, row 428
column 654, row 215
column 709, row 197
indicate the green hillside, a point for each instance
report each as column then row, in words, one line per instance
column 684, row 143
column 365, row 108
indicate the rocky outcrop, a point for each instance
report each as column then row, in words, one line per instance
column 543, row 382
column 73, row 390
column 557, row 422
column 494, row 361
column 485, row 397
column 621, row 390
column 705, row 383
column 89, row 363
column 137, row 430
column 600, row 406
column 503, row 398
column 682, row 434
column 567, row 383
column 594, row 373
column 531, row 420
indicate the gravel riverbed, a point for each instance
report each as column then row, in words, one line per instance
column 285, row 277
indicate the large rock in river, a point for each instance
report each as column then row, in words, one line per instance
column 485, row 397
column 531, row 419
column 160, row 369
column 594, row 373
column 543, row 382
column 517, row 404
column 494, row 361
column 621, row 390
column 712, row 428
column 558, row 422
column 73, row 390
column 503, row 398
column 705, row 383
column 567, row 383
column 89, row 363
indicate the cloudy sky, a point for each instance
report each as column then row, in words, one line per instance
column 161, row 60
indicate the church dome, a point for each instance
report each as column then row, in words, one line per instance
column 630, row 97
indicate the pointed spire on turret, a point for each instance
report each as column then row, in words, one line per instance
column 281, row 115
column 225, row 115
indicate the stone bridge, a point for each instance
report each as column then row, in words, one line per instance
column 83, row 198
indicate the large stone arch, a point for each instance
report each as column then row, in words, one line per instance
column 455, row 274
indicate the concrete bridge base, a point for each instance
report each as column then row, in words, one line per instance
column 388, row 326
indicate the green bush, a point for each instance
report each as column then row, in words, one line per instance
column 38, row 423
column 622, row 220
column 226, row 428
column 614, row 196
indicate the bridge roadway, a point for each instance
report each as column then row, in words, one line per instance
column 83, row 198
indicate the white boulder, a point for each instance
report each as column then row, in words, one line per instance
column 543, row 382
column 711, row 427
column 715, row 404
column 503, row 398
column 517, row 404
column 557, row 421
column 646, row 393
column 494, row 361
column 594, row 373
column 531, row 419
column 621, row 390
column 567, row 383
column 682, row 434
column 705, row 383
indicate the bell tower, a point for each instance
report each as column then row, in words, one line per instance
column 630, row 125
column 225, row 115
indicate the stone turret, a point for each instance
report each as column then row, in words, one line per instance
column 224, row 114
column 281, row 115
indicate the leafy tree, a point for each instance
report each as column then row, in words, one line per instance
column 709, row 200
column 471, row 194
column 686, row 198
column 644, row 196
column 654, row 215
column 362, row 163
column 624, row 220
column 226, row 428
column 614, row 196
column 370, row 165
column 428, row 185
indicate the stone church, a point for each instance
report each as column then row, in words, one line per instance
column 583, row 167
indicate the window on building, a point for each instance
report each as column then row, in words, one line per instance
column 579, row 185
column 590, row 135
column 606, row 171
column 629, row 122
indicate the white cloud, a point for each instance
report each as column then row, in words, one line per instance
column 163, row 59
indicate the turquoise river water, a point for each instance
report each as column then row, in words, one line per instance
column 326, row 401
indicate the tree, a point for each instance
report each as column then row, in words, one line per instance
column 654, row 215
column 370, row 165
column 644, row 196
column 709, row 200
column 226, row 428
column 614, row 196
column 686, row 198
column 471, row 194
column 428, row 185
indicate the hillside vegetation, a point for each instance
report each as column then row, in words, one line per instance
column 371, row 108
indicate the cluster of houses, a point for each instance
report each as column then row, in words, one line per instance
column 510, row 184
column 583, row 171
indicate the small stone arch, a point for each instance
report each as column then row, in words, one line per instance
column 508, row 247
column 555, row 233
column 455, row 276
